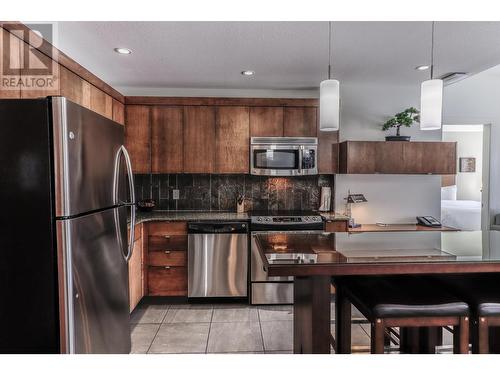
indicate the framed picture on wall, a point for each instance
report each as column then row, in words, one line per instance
column 467, row 165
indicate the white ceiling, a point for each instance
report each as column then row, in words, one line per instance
column 284, row 55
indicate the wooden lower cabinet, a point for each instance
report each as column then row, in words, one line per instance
column 135, row 270
column 167, row 259
column 167, row 281
column 336, row 226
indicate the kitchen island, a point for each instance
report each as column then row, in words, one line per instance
column 313, row 259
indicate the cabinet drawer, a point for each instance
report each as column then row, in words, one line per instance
column 336, row 226
column 168, row 242
column 167, row 258
column 161, row 228
column 167, row 281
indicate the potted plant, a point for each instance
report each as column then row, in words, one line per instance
column 405, row 118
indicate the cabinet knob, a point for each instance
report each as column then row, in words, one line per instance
column 167, row 251
column 167, row 237
column 167, row 267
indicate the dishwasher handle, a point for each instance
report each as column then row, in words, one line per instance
column 217, row 227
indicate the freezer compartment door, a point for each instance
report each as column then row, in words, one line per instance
column 88, row 159
column 95, row 286
column 217, row 265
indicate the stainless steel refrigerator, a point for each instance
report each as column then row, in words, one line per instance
column 67, row 190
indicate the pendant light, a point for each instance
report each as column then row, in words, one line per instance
column 431, row 97
column 329, row 96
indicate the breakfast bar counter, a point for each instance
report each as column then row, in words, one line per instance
column 313, row 259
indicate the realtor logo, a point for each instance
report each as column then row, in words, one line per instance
column 29, row 62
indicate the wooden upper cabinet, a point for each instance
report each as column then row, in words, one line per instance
column 357, row 157
column 13, row 56
column 199, row 139
column 72, row 86
column 430, row 157
column 138, row 137
column 266, row 121
column 101, row 102
column 364, row 157
column 166, row 139
column 300, row 122
column 232, row 143
column 389, row 157
column 40, row 60
column 118, row 112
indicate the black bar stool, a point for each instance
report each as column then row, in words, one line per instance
column 482, row 293
column 402, row 301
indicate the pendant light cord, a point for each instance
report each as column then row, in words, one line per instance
column 329, row 48
column 432, row 51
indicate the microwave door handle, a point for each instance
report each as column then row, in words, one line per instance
column 301, row 151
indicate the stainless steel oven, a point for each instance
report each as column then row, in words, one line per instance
column 283, row 156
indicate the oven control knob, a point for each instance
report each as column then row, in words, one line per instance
column 268, row 219
column 307, row 218
column 259, row 219
column 317, row 218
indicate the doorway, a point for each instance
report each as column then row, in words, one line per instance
column 465, row 195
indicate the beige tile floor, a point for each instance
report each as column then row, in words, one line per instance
column 221, row 328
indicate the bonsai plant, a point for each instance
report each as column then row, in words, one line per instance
column 405, row 118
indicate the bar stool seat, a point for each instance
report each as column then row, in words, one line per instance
column 405, row 301
column 482, row 294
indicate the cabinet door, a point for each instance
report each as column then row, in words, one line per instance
column 232, row 145
column 101, row 102
column 430, row 157
column 135, row 275
column 138, row 137
column 72, row 86
column 300, row 122
column 357, row 157
column 13, row 56
column 38, row 59
column 389, row 157
column 166, row 139
column 199, row 139
column 266, row 121
column 118, row 112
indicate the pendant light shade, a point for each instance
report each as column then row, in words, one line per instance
column 431, row 97
column 329, row 96
column 329, row 105
column 431, row 104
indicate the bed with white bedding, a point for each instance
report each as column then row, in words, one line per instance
column 464, row 215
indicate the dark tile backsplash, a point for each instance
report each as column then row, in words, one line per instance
column 213, row 192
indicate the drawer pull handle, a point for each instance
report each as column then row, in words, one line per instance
column 167, row 237
column 167, row 251
column 167, row 267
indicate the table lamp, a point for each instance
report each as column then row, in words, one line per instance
column 353, row 198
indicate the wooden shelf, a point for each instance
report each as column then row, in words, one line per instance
column 400, row 228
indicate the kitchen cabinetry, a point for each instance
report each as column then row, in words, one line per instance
column 167, row 259
column 135, row 270
column 336, row 226
column 266, row 121
column 365, row 157
column 232, row 143
column 118, row 112
column 138, row 137
column 199, row 139
column 13, row 55
column 299, row 122
column 166, row 139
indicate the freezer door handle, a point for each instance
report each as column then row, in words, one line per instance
column 131, row 202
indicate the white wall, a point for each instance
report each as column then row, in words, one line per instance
column 469, row 144
column 475, row 100
column 391, row 198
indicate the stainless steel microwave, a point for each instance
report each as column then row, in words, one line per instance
column 283, row 156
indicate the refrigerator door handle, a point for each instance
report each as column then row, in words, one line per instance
column 131, row 203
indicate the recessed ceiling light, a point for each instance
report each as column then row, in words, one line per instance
column 248, row 73
column 123, row 51
column 422, row 67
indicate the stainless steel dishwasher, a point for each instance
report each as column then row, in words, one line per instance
column 217, row 259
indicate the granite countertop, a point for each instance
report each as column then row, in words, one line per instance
column 188, row 216
column 333, row 216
